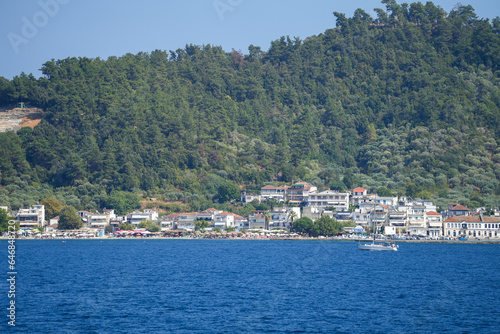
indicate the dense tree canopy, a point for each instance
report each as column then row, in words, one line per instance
column 52, row 207
column 68, row 219
column 408, row 100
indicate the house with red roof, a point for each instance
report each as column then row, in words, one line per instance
column 272, row 192
column 208, row 215
column 455, row 209
column 359, row 191
column 434, row 224
column 299, row 192
column 224, row 220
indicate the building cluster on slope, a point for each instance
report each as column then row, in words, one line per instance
column 396, row 216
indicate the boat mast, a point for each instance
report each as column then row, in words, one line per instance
column 373, row 219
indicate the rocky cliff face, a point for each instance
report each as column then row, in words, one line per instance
column 12, row 119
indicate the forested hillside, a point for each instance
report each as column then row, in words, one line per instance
column 408, row 100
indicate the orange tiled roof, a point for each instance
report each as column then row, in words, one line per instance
column 460, row 207
column 433, row 213
column 226, row 214
column 359, row 190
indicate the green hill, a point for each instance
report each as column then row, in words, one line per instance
column 408, row 100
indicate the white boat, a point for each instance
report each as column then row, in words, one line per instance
column 382, row 246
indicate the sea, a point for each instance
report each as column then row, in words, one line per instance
column 250, row 286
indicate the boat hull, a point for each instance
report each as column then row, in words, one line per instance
column 378, row 247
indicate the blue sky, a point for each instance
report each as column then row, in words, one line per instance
column 34, row 31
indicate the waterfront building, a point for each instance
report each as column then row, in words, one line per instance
column 281, row 217
column 256, row 221
column 416, row 221
column 398, row 220
column 434, row 224
column 299, row 192
column 98, row 220
column 136, row 217
column 208, row 215
column 271, row 192
column 168, row 222
column 224, row 220
column 32, row 217
column 478, row 227
column 186, row 221
column 361, row 217
column 328, row 199
column 379, row 216
column 84, row 216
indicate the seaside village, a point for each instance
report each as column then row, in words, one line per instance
column 392, row 216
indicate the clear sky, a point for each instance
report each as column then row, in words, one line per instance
column 34, row 31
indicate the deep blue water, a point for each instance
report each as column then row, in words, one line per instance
column 252, row 286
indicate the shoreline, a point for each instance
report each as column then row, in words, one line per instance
column 485, row 242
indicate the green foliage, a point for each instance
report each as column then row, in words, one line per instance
column 52, row 207
column 408, row 100
column 127, row 227
column 302, row 225
column 121, row 202
column 150, row 226
column 384, row 192
column 4, row 220
column 228, row 191
column 326, row 226
column 69, row 219
column 200, row 225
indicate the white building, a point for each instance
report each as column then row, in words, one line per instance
column 272, row 192
column 389, row 201
column 98, row 220
column 136, row 217
column 434, row 224
column 208, row 215
column 224, row 220
column 32, row 217
column 281, row 218
column 256, row 221
column 328, row 199
column 361, row 217
column 247, row 198
column 417, row 224
column 358, row 195
column 299, row 192
column 186, row 221
column 477, row 227
column 169, row 222
column 398, row 220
